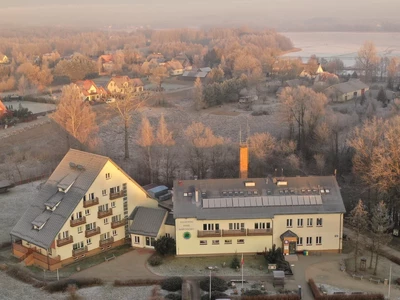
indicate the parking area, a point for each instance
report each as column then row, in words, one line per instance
column 34, row 107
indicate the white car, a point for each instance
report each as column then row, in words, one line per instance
column 110, row 100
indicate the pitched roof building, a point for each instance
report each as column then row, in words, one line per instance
column 3, row 109
column 346, row 90
column 124, row 85
column 90, row 91
column 81, row 210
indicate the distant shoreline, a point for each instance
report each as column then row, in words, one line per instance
column 295, row 49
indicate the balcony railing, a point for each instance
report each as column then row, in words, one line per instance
column 234, row 232
column 106, row 242
column 89, row 203
column 77, row 222
column 79, row 251
column 208, row 233
column 92, row 232
column 265, row 231
column 116, row 195
column 104, row 213
column 66, row 241
column 117, row 224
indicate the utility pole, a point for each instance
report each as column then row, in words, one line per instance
column 209, row 294
column 390, row 280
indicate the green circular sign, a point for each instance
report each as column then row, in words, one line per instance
column 186, row 235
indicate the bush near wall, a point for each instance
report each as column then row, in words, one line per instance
column 137, row 282
column 20, row 274
column 62, row 285
column 318, row 296
column 172, row 284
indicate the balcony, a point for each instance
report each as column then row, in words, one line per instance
column 66, row 241
column 208, row 233
column 114, row 196
column 117, row 224
column 79, row 251
column 106, row 242
column 77, row 222
column 89, row 203
column 104, row 213
column 92, row 232
column 265, row 231
column 234, row 232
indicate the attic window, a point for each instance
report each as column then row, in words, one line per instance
column 185, row 194
column 38, row 227
column 249, row 183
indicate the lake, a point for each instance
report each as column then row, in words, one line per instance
column 343, row 45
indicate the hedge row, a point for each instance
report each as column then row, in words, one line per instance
column 62, row 285
column 318, row 296
column 137, row 282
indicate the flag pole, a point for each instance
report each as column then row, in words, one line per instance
column 242, row 263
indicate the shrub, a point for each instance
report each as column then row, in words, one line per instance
column 39, row 284
column 165, row 246
column 20, row 274
column 235, row 263
column 155, row 260
column 62, row 285
column 137, row 282
column 5, row 245
column 217, row 284
column 3, row 267
column 252, row 293
column 214, row 295
column 273, row 255
column 173, row 297
column 172, row 284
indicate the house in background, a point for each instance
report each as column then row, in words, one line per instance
column 194, row 74
column 184, row 61
column 106, row 64
column 80, row 211
column 90, row 91
column 311, row 70
column 346, row 90
column 174, row 67
column 148, row 224
column 4, row 59
column 3, row 109
column 124, row 85
column 227, row 216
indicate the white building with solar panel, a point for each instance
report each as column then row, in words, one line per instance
column 224, row 216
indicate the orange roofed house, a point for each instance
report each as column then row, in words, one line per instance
column 124, row 85
column 90, row 91
column 3, row 109
column 106, row 63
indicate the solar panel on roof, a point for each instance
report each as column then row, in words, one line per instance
column 295, row 200
column 265, row 201
column 242, row 202
column 306, row 200
column 301, row 200
column 205, row 203
column 288, row 200
column 211, row 204
column 277, row 202
column 319, row 200
column 217, row 203
column 229, row 202
column 313, row 201
column 259, row 201
column 235, row 202
column 223, row 202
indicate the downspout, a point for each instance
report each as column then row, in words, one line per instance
column 340, row 233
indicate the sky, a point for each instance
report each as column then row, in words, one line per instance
column 189, row 13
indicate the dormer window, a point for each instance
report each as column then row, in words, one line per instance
column 37, row 227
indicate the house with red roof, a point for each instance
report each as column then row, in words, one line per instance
column 124, row 85
column 106, row 63
column 3, row 109
column 90, row 91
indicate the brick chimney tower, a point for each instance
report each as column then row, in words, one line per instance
column 244, row 161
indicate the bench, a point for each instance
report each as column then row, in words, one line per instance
column 238, row 281
column 109, row 258
column 357, row 276
column 376, row 280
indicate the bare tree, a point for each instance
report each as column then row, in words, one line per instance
column 146, row 140
column 75, row 116
column 198, row 95
column 367, row 59
column 320, row 162
column 126, row 105
column 358, row 222
column 165, row 141
column 158, row 76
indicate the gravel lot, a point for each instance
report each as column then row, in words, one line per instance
column 108, row 292
column 13, row 205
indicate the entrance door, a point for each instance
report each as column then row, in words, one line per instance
column 292, row 247
column 150, row 241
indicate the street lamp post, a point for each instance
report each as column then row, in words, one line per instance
column 209, row 294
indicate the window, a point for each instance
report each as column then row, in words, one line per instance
column 309, row 241
column 240, row 241
column 105, row 221
column 319, row 222
column 63, row 235
column 80, row 230
column 113, row 204
column 150, row 241
column 210, row 226
column 77, row 216
column 114, row 232
column 114, row 190
column 299, row 241
column 91, row 226
column 168, row 235
column 104, row 192
column 318, row 240
column 137, row 240
column 116, row 218
column 289, row 222
column 103, row 207
column 236, row 226
column 87, row 212
column 299, row 222
column 77, row 246
column 215, row 242
column 228, row 242
column 108, row 176
column 309, row 222
column 262, row 225
column 91, row 196
column 203, row 242
column 89, row 241
column 105, row 236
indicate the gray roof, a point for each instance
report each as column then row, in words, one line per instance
column 170, row 219
column 352, row 85
column 37, row 214
column 288, row 233
column 147, row 221
column 261, row 198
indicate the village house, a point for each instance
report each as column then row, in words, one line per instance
column 174, row 67
column 106, row 64
column 4, row 59
column 90, row 91
column 81, row 210
column 125, row 85
column 346, row 90
column 227, row 216
column 194, row 74
column 3, row 109
column 311, row 70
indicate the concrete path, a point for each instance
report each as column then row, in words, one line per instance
column 131, row 265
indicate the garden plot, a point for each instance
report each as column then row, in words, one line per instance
column 121, row 293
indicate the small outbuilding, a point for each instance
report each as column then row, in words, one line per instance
column 279, row 278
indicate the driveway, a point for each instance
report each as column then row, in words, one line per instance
column 131, row 265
